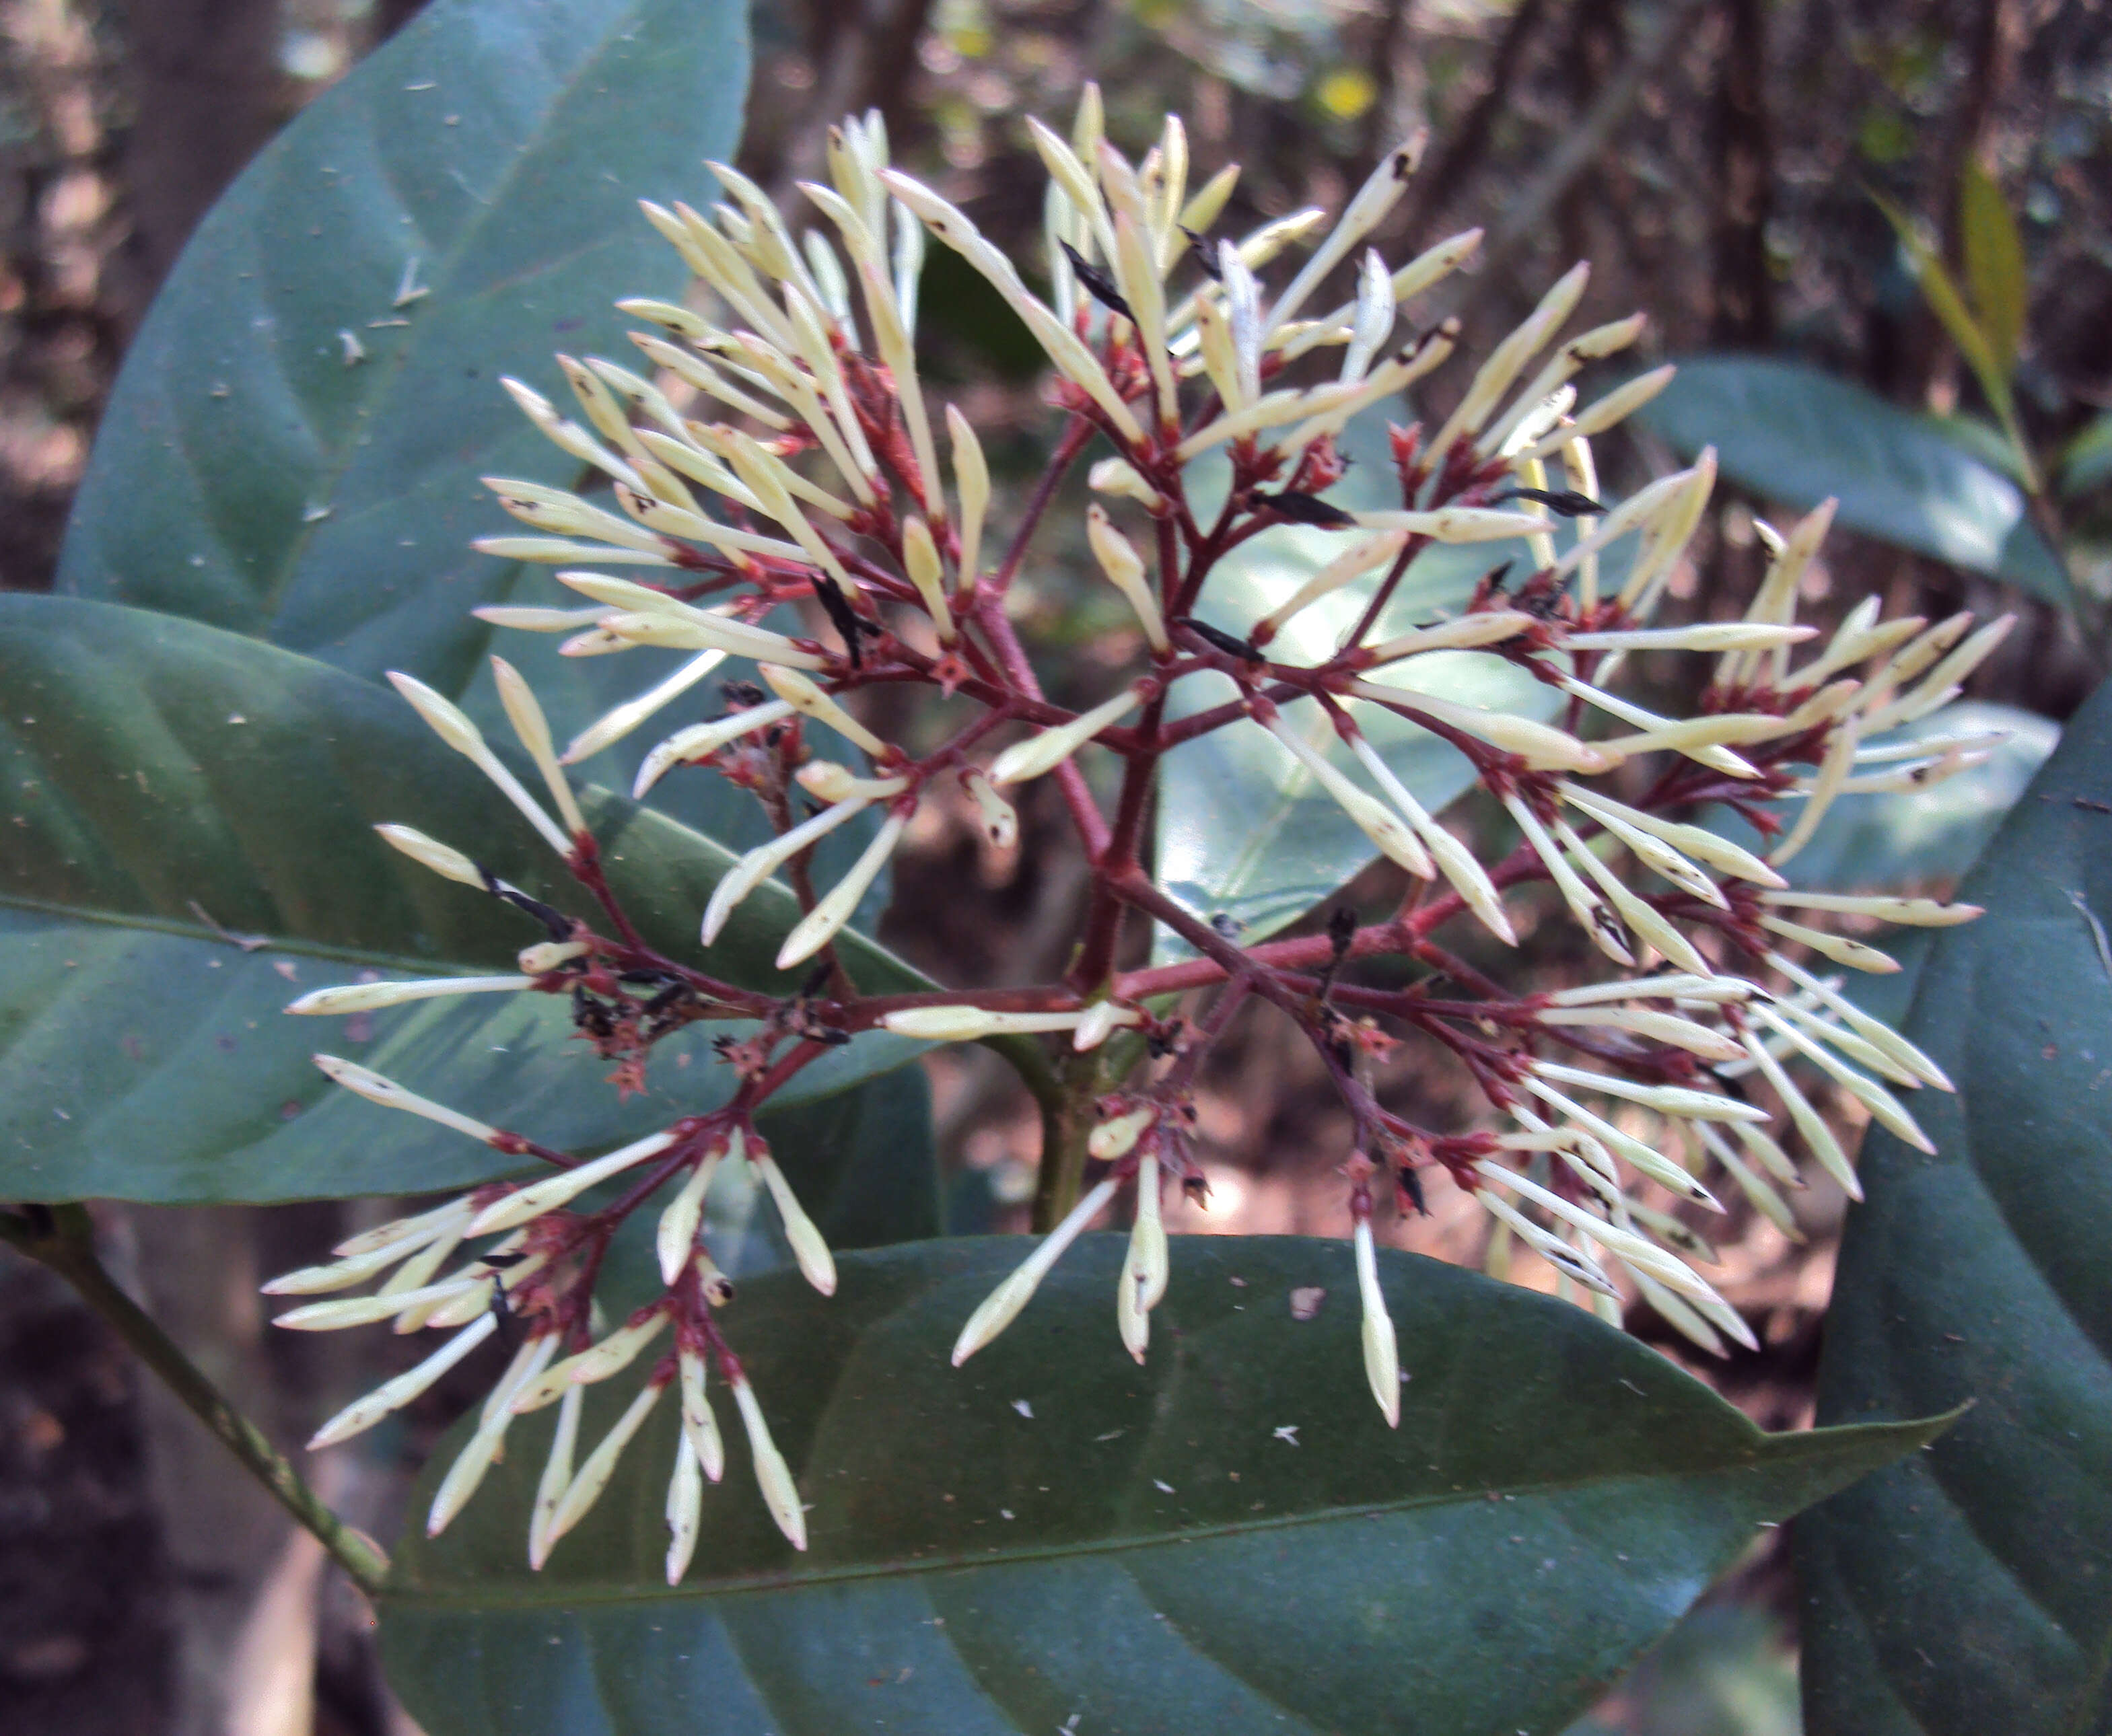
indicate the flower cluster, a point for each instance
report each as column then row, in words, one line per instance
column 779, row 450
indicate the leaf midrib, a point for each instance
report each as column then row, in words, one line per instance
column 604, row 1592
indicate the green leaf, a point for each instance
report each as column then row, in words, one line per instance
column 491, row 153
column 1994, row 264
column 2085, row 461
column 1890, row 842
column 1969, row 1589
column 1797, row 435
column 164, row 785
column 1243, row 828
column 1054, row 1533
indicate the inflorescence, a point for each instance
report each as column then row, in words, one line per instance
column 1722, row 976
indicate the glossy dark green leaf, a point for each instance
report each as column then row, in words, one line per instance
column 257, row 472
column 1797, row 435
column 164, row 786
column 1969, row 1589
column 1243, row 828
column 1227, row 1539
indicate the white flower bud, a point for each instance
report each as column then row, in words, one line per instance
column 519, row 1207
column 1124, row 566
column 1118, row 476
column 1002, row 1306
column 820, row 926
column 1000, row 819
column 809, row 1249
column 804, row 695
column 773, row 1476
column 971, row 485
column 368, row 996
column 370, row 1085
column 675, row 1239
column 919, row 560
column 1043, row 753
column 701, row 740
column 1381, row 1358
column 1117, row 1136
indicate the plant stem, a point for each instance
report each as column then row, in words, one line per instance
column 62, row 1237
column 1067, row 1123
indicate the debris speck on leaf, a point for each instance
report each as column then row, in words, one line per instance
column 1305, row 1301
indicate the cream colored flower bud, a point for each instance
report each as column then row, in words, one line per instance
column 1116, row 1137
column 699, row 741
column 368, row 996
column 519, row 1207
column 546, row 956
column 1395, row 838
column 700, row 1428
column 971, row 486
column 1672, row 1100
column 773, row 1476
column 820, row 926
column 1002, row 1306
column 1124, row 566
column 919, row 560
column 1000, row 819
column 810, row 1250
column 557, row 1478
column 1381, row 1357
column 370, row 1085
column 675, row 1239
column 618, row 722
column 1118, row 476
column 803, row 694
column 1043, row 753
column 1541, row 745
column 586, row 1488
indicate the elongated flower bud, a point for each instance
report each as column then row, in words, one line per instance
column 810, row 1250
column 1001, row 1307
column 453, row 728
column 620, row 720
column 686, row 1501
column 701, row 740
column 773, row 1476
column 1381, row 1357
column 365, row 1083
column 1395, row 838
column 370, row 996
column 676, row 1238
column 700, row 1428
column 971, row 485
column 557, row 1478
column 537, row 1198
column 450, row 864
column 393, row 1395
column 804, row 695
column 919, row 560
column 820, row 926
column 1045, row 753
column 765, row 860
column 1124, row 567
column 585, row 1488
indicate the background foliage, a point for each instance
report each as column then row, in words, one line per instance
column 1727, row 152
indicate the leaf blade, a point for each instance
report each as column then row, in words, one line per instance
column 487, row 155
column 1136, row 1578
column 164, row 784
column 1975, row 1275
column 1797, row 434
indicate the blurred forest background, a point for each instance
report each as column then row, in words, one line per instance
column 1717, row 161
